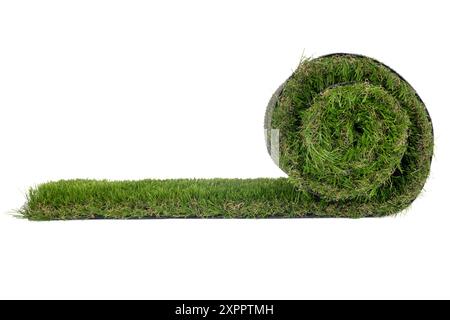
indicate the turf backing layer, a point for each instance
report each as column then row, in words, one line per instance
column 355, row 140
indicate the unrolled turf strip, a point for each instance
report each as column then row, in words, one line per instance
column 353, row 137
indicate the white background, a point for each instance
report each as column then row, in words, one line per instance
column 167, row 89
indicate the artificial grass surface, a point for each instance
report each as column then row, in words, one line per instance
column 178, row 198
column 183, row 198
column 354, row 138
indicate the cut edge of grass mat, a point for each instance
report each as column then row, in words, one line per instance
column 353, row 136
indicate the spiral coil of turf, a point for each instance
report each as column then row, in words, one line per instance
column 354, row 136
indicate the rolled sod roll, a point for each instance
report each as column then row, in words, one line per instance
column 353, row 137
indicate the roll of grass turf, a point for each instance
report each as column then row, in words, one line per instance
column 353, row 136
